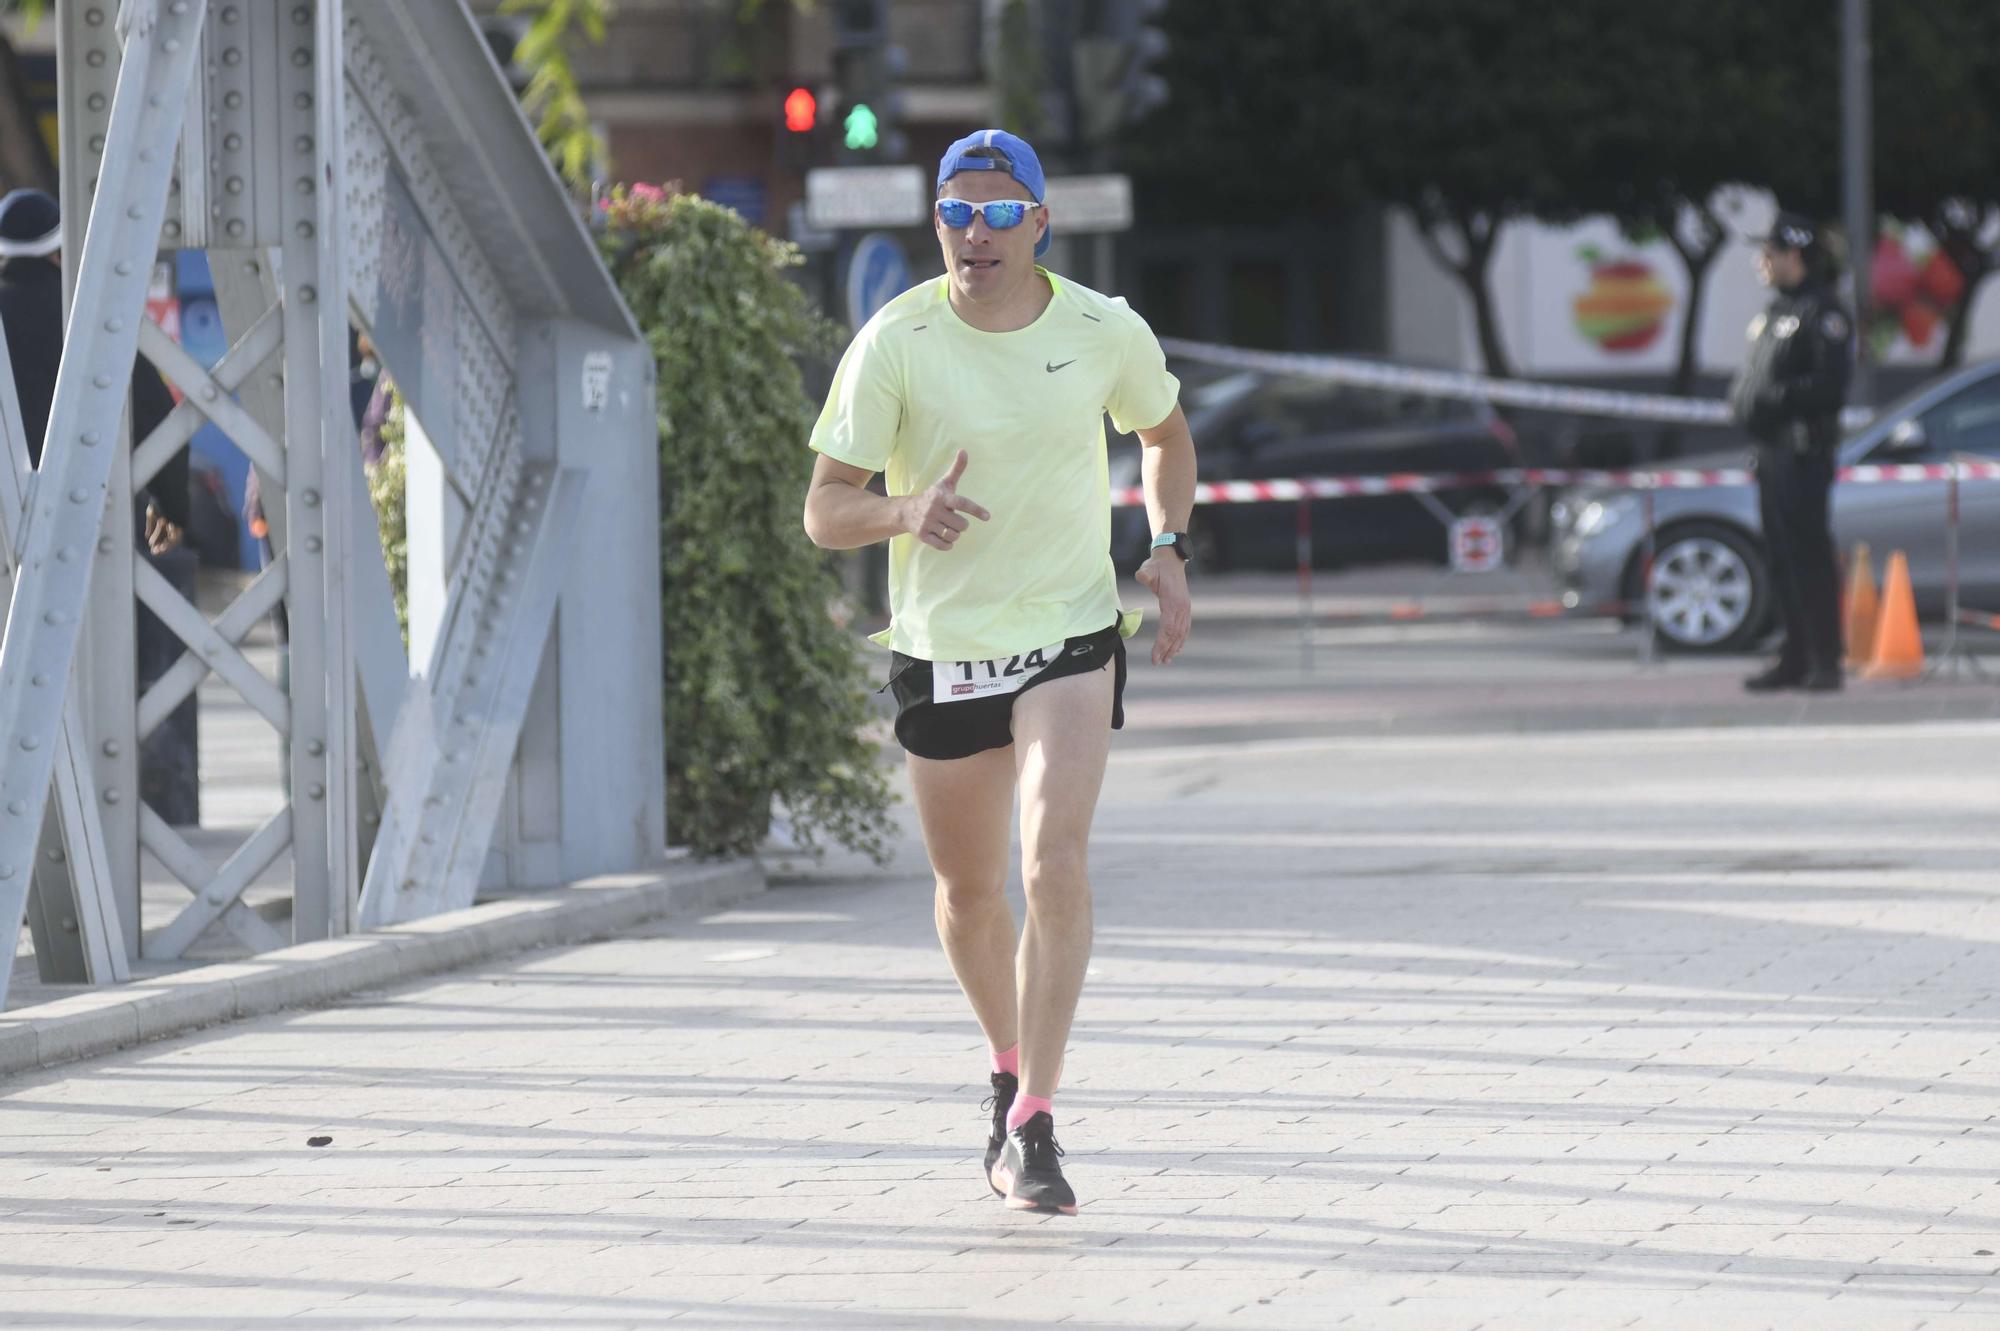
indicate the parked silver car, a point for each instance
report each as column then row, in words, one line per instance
column 1711, row 586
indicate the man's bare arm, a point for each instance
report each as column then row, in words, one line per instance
column 1169, row 469
column 843, row 514
column 1167, row 463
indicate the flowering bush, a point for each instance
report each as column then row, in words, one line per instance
column 766, row 697
column 388, row 479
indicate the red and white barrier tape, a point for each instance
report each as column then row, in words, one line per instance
column 1343, row 487
column 1458, row 384
column 1940, row 471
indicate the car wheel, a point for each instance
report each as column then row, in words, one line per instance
column 1710, row 590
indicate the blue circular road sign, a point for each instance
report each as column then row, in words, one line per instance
column 876, row 274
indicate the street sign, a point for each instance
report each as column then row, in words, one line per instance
column 855, row 198
column 876, row 275
column 1478, row 544
column 596, row 381
column 1082, row 205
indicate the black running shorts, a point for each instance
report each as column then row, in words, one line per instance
column 937, row 730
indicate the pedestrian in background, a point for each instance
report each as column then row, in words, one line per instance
column 31, row 309
column 1788, row 396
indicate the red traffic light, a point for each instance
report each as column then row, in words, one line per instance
column 801, row 111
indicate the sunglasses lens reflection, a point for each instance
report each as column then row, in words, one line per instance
column 1000, row 215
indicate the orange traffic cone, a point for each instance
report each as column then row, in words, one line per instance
column 1899, row 648
column 1860, row 608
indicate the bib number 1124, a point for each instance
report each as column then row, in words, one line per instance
column 959, row 681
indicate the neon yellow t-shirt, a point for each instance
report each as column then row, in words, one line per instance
column 918, row 383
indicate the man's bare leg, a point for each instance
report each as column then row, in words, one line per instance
column 964, row 805
column 1062, row 738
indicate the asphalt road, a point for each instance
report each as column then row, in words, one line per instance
column 1417, row 652
column 1475, row 979
column 1522, row 1032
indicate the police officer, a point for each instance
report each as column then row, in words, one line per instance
column 1788, row 396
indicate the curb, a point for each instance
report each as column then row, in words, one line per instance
column 121, row 1016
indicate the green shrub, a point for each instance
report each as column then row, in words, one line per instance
column 766, row 696
column 387, row 480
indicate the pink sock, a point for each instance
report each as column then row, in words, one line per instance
column 1026, row 1107
column 1008, row 1061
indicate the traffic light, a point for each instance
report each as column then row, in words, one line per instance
column 867, row 68
column 1114, row 61
column 861, row 129
column 802, row 130
column 801, row 111
column 1146, row 45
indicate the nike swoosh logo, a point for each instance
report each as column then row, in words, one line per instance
column 1053, row 368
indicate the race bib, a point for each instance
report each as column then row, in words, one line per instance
column 962, row 681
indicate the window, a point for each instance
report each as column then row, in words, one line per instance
column 1313, row 407
column 1967, row 422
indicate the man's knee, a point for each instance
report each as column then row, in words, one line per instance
column 1056, row 873
column 965, row 893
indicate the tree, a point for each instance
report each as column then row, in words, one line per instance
column 552, row 97
column 1500, row 127
column 1767, row 113
column 1467, row 113
column 765, row 696
column 1692, row 111
column 1018, row 71
column 1230, row 145
column 1937, row 127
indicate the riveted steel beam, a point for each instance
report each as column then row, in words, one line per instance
column 80, row 454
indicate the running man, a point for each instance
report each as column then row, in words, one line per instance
column 1008, row 662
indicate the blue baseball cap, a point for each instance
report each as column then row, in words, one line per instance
column 1021, row 163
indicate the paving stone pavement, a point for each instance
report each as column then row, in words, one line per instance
column 1663, row 1029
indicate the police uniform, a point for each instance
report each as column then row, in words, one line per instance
column 1788, row 395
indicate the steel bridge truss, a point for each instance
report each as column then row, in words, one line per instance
column 339, row 160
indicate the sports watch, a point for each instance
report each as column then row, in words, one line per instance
column 1178, row 542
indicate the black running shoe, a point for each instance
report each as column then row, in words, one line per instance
column 1005, row 1085
column 1029, row 1174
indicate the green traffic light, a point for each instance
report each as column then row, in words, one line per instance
column 862, row 127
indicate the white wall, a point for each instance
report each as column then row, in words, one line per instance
column 434, row 515
column 1539, row 273
column 1425, row 314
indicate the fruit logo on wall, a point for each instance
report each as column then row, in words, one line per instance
column 1913, row 287
column 1625, row 308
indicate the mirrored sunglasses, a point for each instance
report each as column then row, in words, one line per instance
column 1001, row 214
